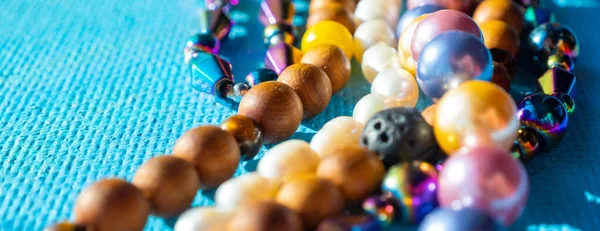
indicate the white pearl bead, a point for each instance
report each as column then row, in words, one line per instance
column 338, row 132
column 399, row 86
column 287, row 160
column 202, row 218
column 375, row 9
column 378, row 57
column 367, row 107
column 246, row 189
column 372, row 32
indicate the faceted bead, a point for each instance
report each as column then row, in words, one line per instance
column 328, row 32
column 561, row 60
column 277, row 33
column 218, row 22
column 246, row 132
column 261, row 75
column 557, row 79
column 276, row 11
column 211, row 74
column 535, row 16
column 505, row 59
column 281, row 56
column 550, row 38
column 545, row 114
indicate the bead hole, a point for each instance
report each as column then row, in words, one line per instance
column 383, row 137
column 377, row 125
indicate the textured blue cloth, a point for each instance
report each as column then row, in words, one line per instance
column 92, row 89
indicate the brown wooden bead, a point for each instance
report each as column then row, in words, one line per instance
column 213, row 152
column 501, row 76
column 498, row 34
column 68, row 226
column 275, row 107
column 112, row 205
column 246, row 132
column 311, row 197
column 333, row 61
column 333, row 12
column 321, row 5
column 311, row 84
column 503, row 10
column 265, row 216
column 356, row 171
column 169, row 183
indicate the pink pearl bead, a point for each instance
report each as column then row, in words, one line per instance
column 462, row 5
column 439, row 22
column 485, row 177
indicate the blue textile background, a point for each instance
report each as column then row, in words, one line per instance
column 92, row 89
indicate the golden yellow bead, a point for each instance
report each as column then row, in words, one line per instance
column 475, row 109
column 328, row 32
column 406, row 59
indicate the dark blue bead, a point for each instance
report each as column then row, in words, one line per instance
column 211, row 74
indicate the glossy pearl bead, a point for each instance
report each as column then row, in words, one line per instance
column 475, row 107
column 372, row 32
column 398, row 86
column 437, row 23
column 460, row 5
column 378, row 9
column 487, row 178
column 246, row 189
column 339, row 132
column 287, row 160
column 406, row 58
column 203, row 218
column 367, row 107
column 377, row 58
column 412, row 14
column 328, row 32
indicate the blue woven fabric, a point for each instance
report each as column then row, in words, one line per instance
column 92, row 89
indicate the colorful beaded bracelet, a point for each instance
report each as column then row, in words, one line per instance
column 452, row 167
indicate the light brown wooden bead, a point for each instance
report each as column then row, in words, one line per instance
column 169, row 183
column 334, row 12
column 311, row 197
column 356, row 171
column 321, row 5
column 333, row 61
column 503, row 10
column 213, row 152
column 112, row 205
column 275, row 107
column 498, row 34
column 311, row 84
column 265, row 216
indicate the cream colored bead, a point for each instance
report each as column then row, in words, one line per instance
column 368, row 106
column 246, row 189
column 372, row 32
column 399, row 86
column 202, row 218
column 288, row 160
column 389, row 10
column 378, row 57
column 338, row 132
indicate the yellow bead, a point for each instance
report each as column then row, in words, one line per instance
column 328, row 32
column 475, row 109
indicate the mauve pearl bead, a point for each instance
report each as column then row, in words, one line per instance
column 461, row 5
column 412, row 14
column 439, row 22
column 287, row 160
column 485, row 177
column 339, row 132
column 398, row 86
column 246, row 189
column 202, row 218
column 372, row 32
column 377, row 58
column 368, row 106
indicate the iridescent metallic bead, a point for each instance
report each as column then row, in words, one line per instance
column 535, row 16
column 350, row 223
column 557, row 79
column 247, row 134
column 215, row 4
column 567, row 101
column 281, row 56
column 203, row 42
column 261, row 75
column 211, row 74
column 414, row 185
column 550, row 38
column 527, row 144
column 384, row 208
column 217, row 22
column 240, row 89
column 545, row 114
column 505, row 59
column 561, row 60
column 276, row 11
column 276, row 33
